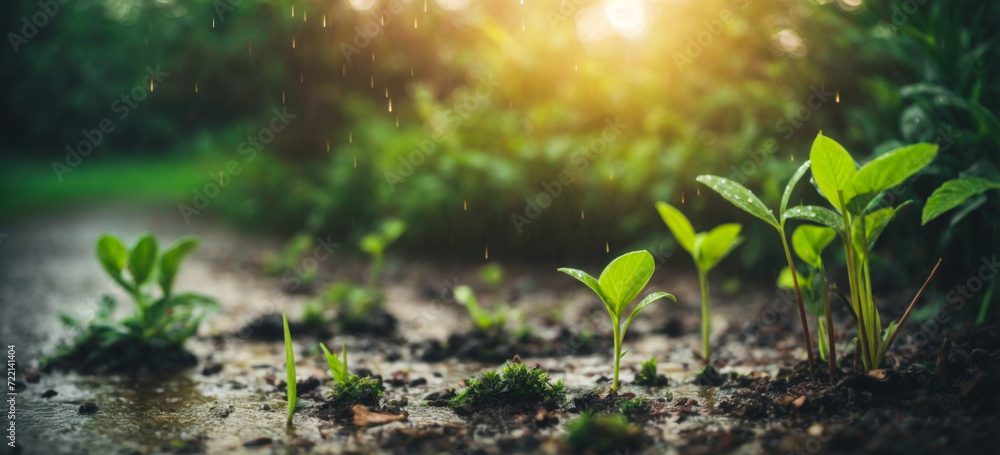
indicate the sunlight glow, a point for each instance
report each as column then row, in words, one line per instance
column 452, row 5
column 627, row 17
column 361, row 5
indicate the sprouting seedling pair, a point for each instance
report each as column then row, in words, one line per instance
column 620, row 282
column 809, row 241
column 707, row 249
column 860, row 213
column 745, row 200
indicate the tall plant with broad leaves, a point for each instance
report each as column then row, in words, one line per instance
column 707, row 249
column 860, row 211
column 808, row 242
column 620, row 282
column 162, row 321
column 745, row 200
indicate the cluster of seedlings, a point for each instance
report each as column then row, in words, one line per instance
column 858, row 213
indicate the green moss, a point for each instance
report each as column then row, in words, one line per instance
column 358, row 390
column 515, row 385
column 593, row 433
column 647, row 375
column 635, row 407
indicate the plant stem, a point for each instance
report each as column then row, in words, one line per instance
column 832, row 357
column 618, row 352
column 705, row 322
column 802, row 308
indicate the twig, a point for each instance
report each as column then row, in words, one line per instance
column 902, row 320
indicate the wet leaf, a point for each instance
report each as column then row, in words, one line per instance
column 739, row 196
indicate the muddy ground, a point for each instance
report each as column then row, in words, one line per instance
column 233, row 399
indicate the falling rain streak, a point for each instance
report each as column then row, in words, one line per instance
column 487, row 252
column 607, row 247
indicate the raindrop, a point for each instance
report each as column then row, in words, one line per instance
column 324, row 21
column 213, row 22
column 390, row 104
column 414, row 22
column 293, row 43
column 355, row 161
column 607, row 247
column 387, row 92
column 487, row 252
column 792, row 158
column 425, row 6
column 373, row 56
column 411, row 71
column 350, row 137
column 838, row 96
column 698, row 190
column 328, row 146
column 304, row 14
column 373, row 81
column 682, row 198
column 581, row 214
column 397, row 121
column 522, row 25
column 576, row 67
column 465, row 205
column 150, row 85
column 196, row 87
column 282, row 97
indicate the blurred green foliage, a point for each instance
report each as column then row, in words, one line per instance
column 498, row 135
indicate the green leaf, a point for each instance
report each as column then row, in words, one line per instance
column 338, row 368
column 142, row 258
column 171, row 260
column 785, row 279
column 739, row 196
column 717, row 244
column 678, row 225
column 625, row 277
column 791, row 186
column 953, row 193
column 875, row 223
column 832, row 168
column 821, row 215
column 112, row 255
column 644, row 303
column 808, row 241
column 591, row 282
column 290, row 367
column 892, row 168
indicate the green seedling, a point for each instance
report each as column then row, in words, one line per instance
column 809, row 241
column 485, row 320
column 648, row 376
column 290, row 369
column 707, row 249
column 356, row 303
column 860, row 213
column 161, row 322
column 620, row 282
column 348, row 387
column 492, row 275
column 514, row 385
column 745, row 200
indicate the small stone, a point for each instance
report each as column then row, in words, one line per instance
column 265, row 407
column 89, row 408
column 258, row 442
column 49, row 393
column 211, row 368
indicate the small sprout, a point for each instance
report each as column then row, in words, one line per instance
column 594, row 433
column 485, row 320
column 620, row 282
column 515, row 385
column 492, row 275
column 351, row 388
column 290, row 368
column 707, row 249
column 160, row 325
column 647, row 375
column 289, row 261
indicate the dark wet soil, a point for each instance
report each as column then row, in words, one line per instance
column 757, row 397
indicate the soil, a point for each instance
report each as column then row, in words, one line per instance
column 758, row 397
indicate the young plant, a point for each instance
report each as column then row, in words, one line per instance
column 288, row 263
column 603, row 433
column 161, row 323
column 860, row 213
column 348, row 387
column 706, row 248
column 648, row 376
column 290, row 369
column 809, row 241
column 745, row 200
column 515, row 385
column 620, row 282
column 355, row 303
column 486, row 321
